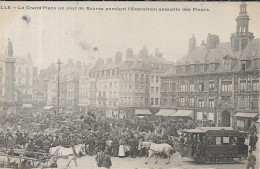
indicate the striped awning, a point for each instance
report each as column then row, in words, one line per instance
column 142, row 112
column 166, row 112
column 246, row 115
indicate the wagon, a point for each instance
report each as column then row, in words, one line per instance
column 214, row 145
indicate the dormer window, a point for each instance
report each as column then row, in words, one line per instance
column 212, row 67
column 256, row 64
column 227, row 64
column 201, row 68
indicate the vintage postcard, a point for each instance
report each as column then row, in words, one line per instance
column 129, row 85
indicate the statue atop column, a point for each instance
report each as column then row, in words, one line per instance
column 10, row 48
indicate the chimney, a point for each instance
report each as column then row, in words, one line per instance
column 108, row 60
column 129, row 53
column 212, row 41
column 99, row 61
column 156, row 51
column 118, row 57
column 192, row 43
column 144, row 52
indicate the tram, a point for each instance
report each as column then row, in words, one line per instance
column 214, row 144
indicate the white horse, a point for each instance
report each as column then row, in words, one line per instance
column 155, row 149
column 68, row 152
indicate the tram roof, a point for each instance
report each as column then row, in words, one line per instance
column 205, row 129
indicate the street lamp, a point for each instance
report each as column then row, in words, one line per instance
column 58, row 94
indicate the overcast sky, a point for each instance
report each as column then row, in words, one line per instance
column 74, row 34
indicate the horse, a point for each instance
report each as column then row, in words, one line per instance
column 68, row 152
column 155, row 149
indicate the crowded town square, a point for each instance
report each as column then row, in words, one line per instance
column 70, row 98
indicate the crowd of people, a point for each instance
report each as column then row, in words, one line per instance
column 38, row 132
column 120, row 137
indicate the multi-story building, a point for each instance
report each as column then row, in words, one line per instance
column 217, row 82
column 122, row 88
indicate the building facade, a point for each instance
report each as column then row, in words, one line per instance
column 219, row 82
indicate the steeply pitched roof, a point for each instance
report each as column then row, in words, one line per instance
column 203, row 55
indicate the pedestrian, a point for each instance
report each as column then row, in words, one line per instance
column 255, row 141
column 251, row 141
column 106, row 160
column 251, row 160
column 99, row 158
column 115, row 147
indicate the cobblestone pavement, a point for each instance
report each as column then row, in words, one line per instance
column 176, row 162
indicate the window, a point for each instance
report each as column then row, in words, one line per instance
column 173, row 86
column 142, row 78
column 201, row 103
column 211, row 103
column 130, row 77
column 191, row 87
column 242, row 103
column 248, row 102
column 243, row 85
column 182, row 101
column 152, row 90
column 256, row 63
column 255, row 85
column 211, row 86
column 165, row 101
column 147, row 78
column 191, row 102
column 243, row 65
column 157, row 79
column 152, row 101
column 156, row 101
column 226, row 86
column 199, row 115
column 157, row 90
column 240, row 123
column 183, row 87
column 201, row 86
column 136, row 77
column 227, row 64
column 255, row 104
column 152, row 78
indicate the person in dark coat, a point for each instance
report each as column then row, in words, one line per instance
column 91, row 146
column 251, row 141
column 251, row 160
column 115, row 148
column 133, row 147
column 106, row 160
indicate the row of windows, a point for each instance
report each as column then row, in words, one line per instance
column 104, row 73
column 155, row 101
column 188, row 102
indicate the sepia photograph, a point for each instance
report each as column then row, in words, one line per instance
column 136, row 85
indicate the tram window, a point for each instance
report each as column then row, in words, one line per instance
column 233, row 140
column 218, row 140
column 225, row 140
column 211, row 140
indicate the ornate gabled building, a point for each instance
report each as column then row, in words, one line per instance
column 217, row 82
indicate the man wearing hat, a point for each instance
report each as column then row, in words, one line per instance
column 251, row 160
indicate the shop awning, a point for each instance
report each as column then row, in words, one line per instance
column 247, row 115
column 166, row 112
column 184, row 113
column 258, row 121
column 142, row 112
column 27, row 106
column 47, row 107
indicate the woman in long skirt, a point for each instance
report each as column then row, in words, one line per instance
column 121, row 152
